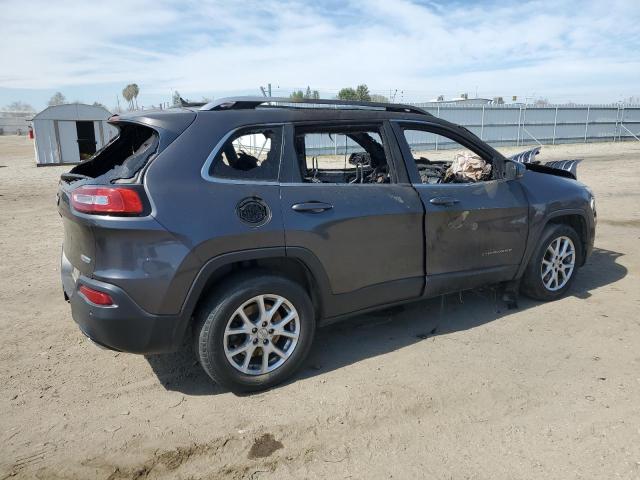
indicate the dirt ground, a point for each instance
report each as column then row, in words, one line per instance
column 544, row 391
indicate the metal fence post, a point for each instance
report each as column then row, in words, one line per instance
column 586, row 125
column 437, row 115
column 519, row 116
column 482, row 124
column 555, row 123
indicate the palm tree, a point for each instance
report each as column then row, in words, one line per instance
column 128, row 96
column 135, row 90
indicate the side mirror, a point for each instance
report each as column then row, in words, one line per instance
column 513, row 170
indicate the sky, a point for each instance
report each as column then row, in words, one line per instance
column 582, row 51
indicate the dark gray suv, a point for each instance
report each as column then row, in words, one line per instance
column 246, row 222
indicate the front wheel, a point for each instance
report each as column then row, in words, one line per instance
column 255, row 332
column 553, row 265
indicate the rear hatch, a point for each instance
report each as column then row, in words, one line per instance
column 117, row 169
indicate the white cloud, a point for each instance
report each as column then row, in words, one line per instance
column 548, row 47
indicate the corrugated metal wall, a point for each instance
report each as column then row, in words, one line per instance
column 518, row 125
column 502, row 125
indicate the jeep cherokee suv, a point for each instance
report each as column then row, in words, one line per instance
column 246, row 222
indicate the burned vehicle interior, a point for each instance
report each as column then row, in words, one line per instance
column 356, row 155
column 250, row 153
column 440, row 159
column 119, row 161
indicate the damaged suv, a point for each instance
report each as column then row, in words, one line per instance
column 244, row 223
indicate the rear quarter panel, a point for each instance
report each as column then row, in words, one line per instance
column 200, row 214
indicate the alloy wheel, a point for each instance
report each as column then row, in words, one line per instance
column 558, row 263
column 261, row 334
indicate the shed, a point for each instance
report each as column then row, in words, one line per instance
column 70, row 133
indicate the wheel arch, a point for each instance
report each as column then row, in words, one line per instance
column 299, row 266
column 575, row 218
column 578, row 222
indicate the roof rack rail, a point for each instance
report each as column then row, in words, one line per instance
column 243, row 103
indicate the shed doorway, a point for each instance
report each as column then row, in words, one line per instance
column 86, row 139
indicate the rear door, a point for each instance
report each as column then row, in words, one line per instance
column 346, row 201
column 475, row 233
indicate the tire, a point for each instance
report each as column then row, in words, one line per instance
column 537, row 285
column 220, row 317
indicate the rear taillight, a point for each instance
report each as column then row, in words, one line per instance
column 106, row 200
column 95, row 296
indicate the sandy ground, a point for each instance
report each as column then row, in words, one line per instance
column 544, row 391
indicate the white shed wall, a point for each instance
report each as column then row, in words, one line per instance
column 46, row 144
column 68, row 138
column 109, row 132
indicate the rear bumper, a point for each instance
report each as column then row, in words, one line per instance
column 123, row 326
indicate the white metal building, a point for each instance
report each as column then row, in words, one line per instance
column 14, row 123
column 70, row 133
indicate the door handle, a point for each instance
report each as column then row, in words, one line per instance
column 445, row 201
column 312, row 207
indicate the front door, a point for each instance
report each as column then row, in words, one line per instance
column 475, row 232
column 347, row 205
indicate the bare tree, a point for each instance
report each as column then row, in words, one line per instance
column 379, row 98
column 57, row 99
column 19, row 106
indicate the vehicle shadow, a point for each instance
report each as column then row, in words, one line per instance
column 370, row 335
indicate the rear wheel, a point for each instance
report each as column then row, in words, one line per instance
column 552, row 267
column 255, row 332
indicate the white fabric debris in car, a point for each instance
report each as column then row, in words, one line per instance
column 467, row 167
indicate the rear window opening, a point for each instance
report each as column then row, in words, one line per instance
column 121, row 160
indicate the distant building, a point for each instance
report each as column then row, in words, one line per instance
column 14, row 123
column 70, row 133
column 463, row 99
